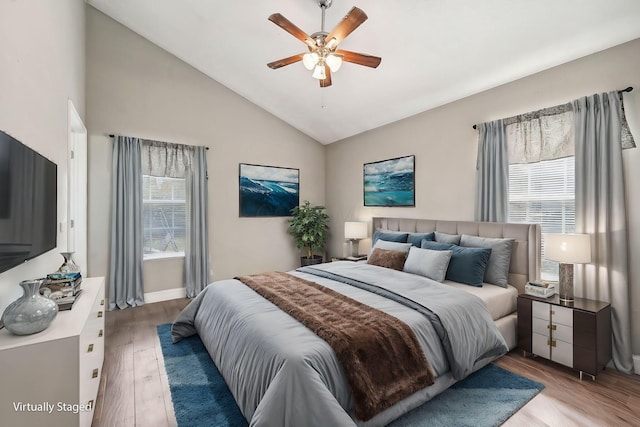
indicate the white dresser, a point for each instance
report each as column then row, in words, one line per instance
column 51, row 378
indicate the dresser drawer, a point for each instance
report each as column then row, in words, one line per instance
column 562, row 353
column 540, row 326
column 562, row 315
column 540, row 310
column 562, row 333
column 540, row 345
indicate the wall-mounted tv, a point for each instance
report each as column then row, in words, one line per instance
column 28, row 203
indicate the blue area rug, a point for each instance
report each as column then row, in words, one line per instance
column 200, row 396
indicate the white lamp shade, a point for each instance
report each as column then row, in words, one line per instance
column 309, row 60
column 318, row 72
column 334, row 62
column 355, row 230
column 568, row 248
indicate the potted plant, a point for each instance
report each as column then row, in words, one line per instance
column 309, row 227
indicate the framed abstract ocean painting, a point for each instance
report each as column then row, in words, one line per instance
column 268, row 190
column 390, row 182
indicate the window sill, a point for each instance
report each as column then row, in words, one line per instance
column 162, row 256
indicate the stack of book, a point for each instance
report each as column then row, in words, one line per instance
column 63, row 288
column 540, row 288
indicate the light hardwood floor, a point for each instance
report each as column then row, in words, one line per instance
column 134, row 389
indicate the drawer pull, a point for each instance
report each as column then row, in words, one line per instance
column 99, row 314
column 552, row 327
column 553, row 312
column 90, row 349
column 100, row 333
column 101, row 302
column 94, row 374
column 552, row 343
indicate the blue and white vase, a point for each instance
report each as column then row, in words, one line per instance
column 32, row 312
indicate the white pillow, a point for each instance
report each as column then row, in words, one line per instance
column 428, row 263
column 391, row 246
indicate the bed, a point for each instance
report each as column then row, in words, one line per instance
column 282, row 374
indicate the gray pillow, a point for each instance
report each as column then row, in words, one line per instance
column 453, row 239
column 428, row 263
column 497, row 271
column 390, row 246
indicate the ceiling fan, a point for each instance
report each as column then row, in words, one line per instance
column 324, row 57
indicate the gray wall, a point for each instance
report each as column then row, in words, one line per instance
column 42, row 66
column 135, row 88
column 445, row 145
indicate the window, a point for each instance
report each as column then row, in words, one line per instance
column 544, row 193
column 164, row 216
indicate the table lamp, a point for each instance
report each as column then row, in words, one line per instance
column 354, row 232
column 567, row 249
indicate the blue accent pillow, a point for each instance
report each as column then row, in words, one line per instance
column 500, row 261
column 416, row 238
column 467, row 265
column 389, row 236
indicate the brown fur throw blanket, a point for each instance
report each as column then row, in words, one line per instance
column 380, row 354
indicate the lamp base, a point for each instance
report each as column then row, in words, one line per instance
column 354, row 245
column 565, row 291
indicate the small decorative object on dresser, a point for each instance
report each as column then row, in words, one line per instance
column 576, row 334
column 540, row 288
column 32, row 312
column 69, row 265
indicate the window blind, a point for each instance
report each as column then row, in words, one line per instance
column 544, row 193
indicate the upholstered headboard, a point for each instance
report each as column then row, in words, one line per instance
column 525, row 258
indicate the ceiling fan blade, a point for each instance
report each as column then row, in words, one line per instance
column 292, row 29
column 359, row 58
column 285, row 61
column 350, row 22
column 327, row 80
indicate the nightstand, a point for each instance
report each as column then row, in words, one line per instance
column 577, row 334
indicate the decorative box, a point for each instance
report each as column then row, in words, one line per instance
column 539, row 291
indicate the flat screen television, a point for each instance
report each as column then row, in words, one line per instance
column 28, row 203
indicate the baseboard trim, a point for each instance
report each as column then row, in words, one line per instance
column 166, row 295
column 636, row 364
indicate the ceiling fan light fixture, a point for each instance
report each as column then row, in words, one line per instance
column 318, row 72
column 309, row 60
column 334, row 62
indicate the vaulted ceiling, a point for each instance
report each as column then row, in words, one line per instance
column 433, row 51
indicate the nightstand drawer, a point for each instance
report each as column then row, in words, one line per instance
column 540, row 310
column 540, row 326
column 562, row 333
column 540, row 345
column 562, row 352
column 562, row 315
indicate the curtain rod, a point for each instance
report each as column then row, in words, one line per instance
column 112, row 136
column 621, row 91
